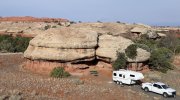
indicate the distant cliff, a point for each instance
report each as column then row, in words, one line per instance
column 31, row 19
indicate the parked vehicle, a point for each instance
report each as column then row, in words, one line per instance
column 126, row 76
column 159, row 88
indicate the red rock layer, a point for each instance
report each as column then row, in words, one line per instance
column 31, row 19
column 45, row 67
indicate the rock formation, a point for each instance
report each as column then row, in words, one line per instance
column 29, row 26
column 114, row 29
column 64, row 45
column 78, row 46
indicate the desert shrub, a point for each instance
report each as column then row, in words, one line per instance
column 72, row 22
column 47, row 27
column 13, row 44
column 152, row 44
column 162, row 51
column 59, row 72
column 54, row 26
column 6, row 46
column 171, row 42
column 143, row 46
column 118, row 22
column 94, row 72
column 131, row 51
column 160, row 59
column 120, row 62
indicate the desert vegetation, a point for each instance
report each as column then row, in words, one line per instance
column 13, row 44
column 162, row 52
column 120, row 62
column 59, row 72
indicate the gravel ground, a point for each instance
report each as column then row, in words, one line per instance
column 19, row 84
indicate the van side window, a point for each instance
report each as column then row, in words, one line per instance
column 132, row 75
column 123, row 76
column 120, row 75
column 114, row 74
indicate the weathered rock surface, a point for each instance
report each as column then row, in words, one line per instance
column 64, row 44
column 141, row 30
column 78, row 46
column 83, row 42
column 105, row 28
column 109, row 45
column 66, row 38
column 142, row 55
column 29, row 26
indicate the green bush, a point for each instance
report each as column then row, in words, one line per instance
column 131, row 51
column 59, row 72
column 143, row 46
column 47, row 27
column 160, row 59
column 13, row 44
column 152, row 44
column 54, row 26
column 120, row 62
column 162, row 51
column 171, row 42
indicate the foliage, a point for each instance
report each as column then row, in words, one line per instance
column 162, row 51
column 47, row 27
column 59, row 72
column 13, row 44
column 151, row 44
column 143, row 46
column 94, row 72
column 72, row 22
column 171, row 42
column 54, row 26
column 118, row 22
column 160, row 59
column 120, row 62
column 131, row 51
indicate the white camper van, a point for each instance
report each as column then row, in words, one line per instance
column 126, row 76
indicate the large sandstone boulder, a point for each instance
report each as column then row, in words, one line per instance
column 63, row 44
column 140, row 30
column 109, row 45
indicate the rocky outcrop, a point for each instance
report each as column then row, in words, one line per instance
column 79, row 45
column 142, row 56
column 64, row 45
column 105, row 28
column 109, row 45
column 29, row 26
column 139, row 30
column 76, row 43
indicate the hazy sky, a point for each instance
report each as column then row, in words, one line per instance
column 153, row 12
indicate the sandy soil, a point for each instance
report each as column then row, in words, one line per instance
column 19, row 84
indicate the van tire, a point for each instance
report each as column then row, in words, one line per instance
column 165, row 95
column 146, row 89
